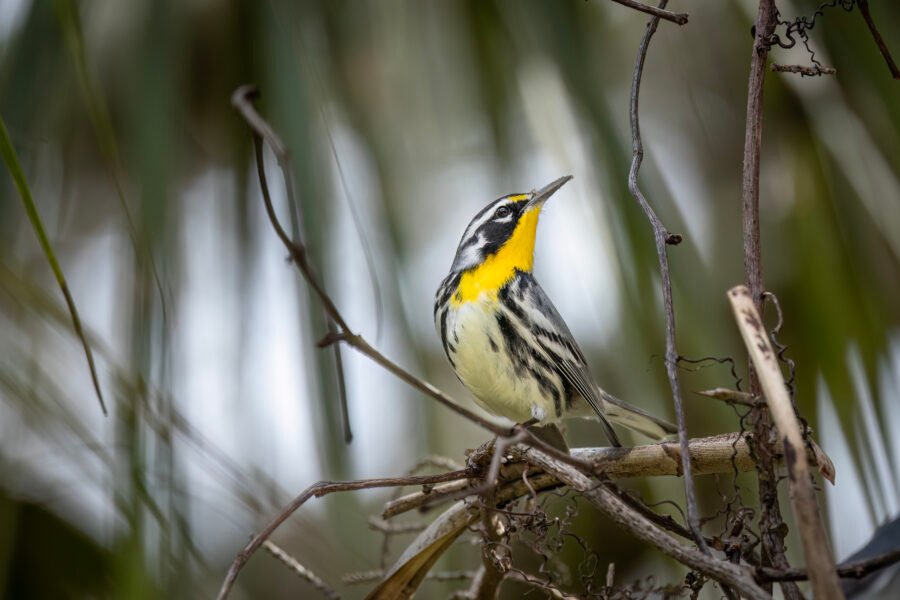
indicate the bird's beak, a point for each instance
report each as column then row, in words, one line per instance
column 540, row 196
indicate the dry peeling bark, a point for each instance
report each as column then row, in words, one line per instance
column 816, row 549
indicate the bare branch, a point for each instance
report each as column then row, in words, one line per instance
column 771, row 525
column 551, row 590
column 377, row 574
column 882, row 47
column 659, row 13
column 708, row 456
column 613, row 507
column 803, row 70
column 379, row 524
column 242, row 101
column 294, row 565
column 765, row 25
column 663, row 237
column 732, row 396
column 317, row 490
column 816, row 549
column 848, row 570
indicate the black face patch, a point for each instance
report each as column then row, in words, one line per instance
column 488, row 231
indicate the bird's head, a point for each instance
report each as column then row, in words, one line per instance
column 506, row 228
column 499, row 242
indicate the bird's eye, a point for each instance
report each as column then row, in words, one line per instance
column 503, row 211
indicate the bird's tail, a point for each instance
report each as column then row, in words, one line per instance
column 636, row 419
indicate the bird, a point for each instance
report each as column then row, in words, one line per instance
column 504, row 338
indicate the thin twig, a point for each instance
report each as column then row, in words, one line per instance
column 379, row 524
column 663, row 237
column 848, row 570
column 317, row 490
column 549, row 589
column 732, row 396
column 294, row 565
column 659, row 13
column 490, row 582
column 882, row 47
column 377, row 574
column 242, row 101
column 771, row 524
column 803, row 70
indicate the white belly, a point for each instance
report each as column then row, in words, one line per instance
column 477, row 350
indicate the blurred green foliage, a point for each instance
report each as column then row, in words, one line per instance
column 120, row 110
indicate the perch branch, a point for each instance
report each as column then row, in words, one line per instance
column 710, row 455
column 816, row 550
column 663, row 237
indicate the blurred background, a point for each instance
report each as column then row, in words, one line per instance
column 404, row 118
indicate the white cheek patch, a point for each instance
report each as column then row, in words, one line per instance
column 471, row 254
column 470, row 251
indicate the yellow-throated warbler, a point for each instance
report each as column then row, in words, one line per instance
column 505, row 339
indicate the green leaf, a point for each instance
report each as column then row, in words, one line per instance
column 18, row 177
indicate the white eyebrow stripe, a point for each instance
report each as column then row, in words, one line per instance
column 487, row 216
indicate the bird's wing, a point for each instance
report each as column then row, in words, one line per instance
column 531, row 305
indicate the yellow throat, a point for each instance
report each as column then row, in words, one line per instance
column 492, row 274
